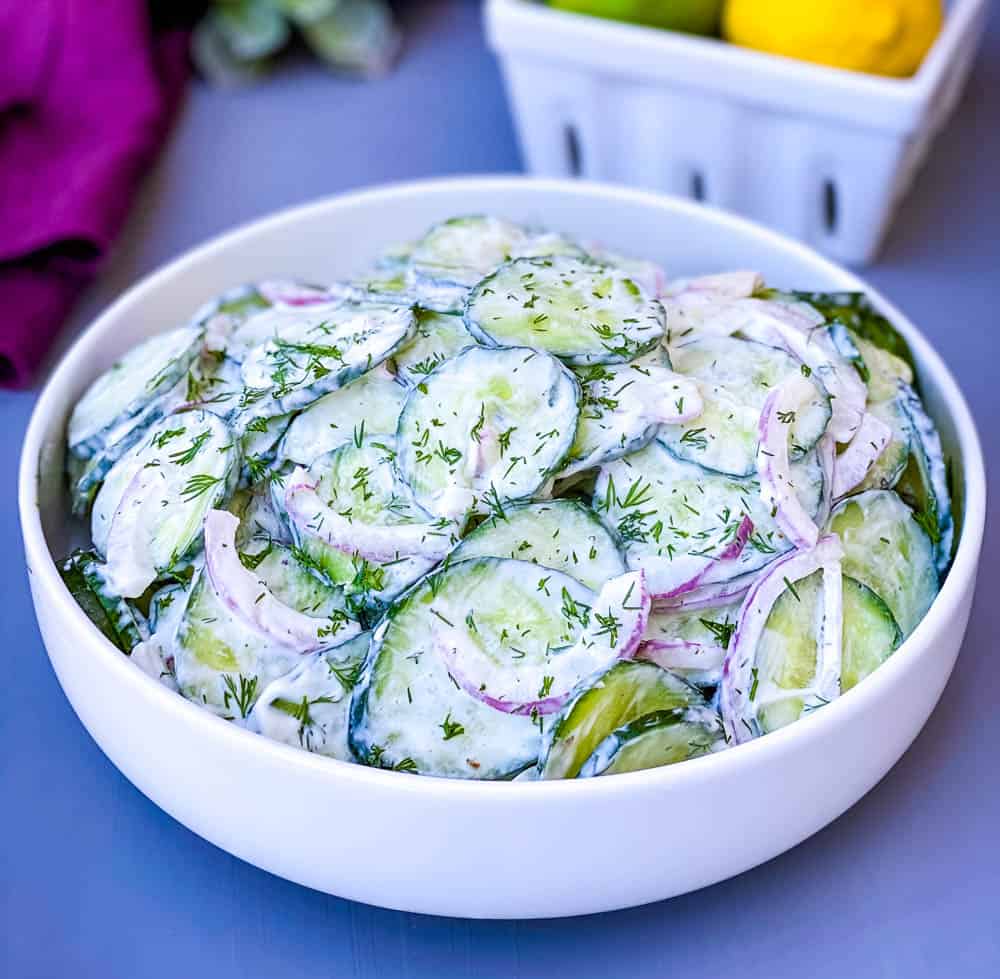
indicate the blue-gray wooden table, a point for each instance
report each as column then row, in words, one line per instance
column 97, row 882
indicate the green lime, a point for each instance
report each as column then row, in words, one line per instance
column 690, row 16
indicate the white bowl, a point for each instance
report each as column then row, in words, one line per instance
column 465, row 848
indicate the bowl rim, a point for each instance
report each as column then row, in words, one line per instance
column 961, row 577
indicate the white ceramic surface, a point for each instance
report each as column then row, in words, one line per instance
column 697, row 117
column 460, row 848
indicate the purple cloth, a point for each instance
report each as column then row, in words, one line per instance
column 86, row 96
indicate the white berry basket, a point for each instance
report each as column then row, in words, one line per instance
column 822, row 154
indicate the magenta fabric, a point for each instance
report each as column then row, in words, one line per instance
column 86, row 96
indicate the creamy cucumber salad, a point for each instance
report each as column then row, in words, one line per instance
column 511, row 506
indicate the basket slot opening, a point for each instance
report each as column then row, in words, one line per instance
column 831, row 207
column 574, row 160
column 699, row 189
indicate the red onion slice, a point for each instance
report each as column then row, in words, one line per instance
column 244, row 593
column 740, row 284
column 773, row 466
column 130, row 565
column 711, row 595
column 616, row 625
column 681, row 654
column 737, row 676
column 863, row 451
column 800, row 335
column 290, row 293
column 313, row 517
column 671, row 578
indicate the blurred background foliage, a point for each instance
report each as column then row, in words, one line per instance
column 238, row 41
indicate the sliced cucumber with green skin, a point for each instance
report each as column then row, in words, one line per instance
column 223, row 317
column 625, row 692
column 735, row 377
column 87, row 475
column 924, row 483
column 460, row 251
column 309, row 707
column 409, row 713
column 135, row 382
column 148, row 515
column 222, row 660
column 663, row 737
column 214, row 383
column 886, row 548
column 155, row 654
column 890, row 465
column 351, row 507
column 313, row 350
column 438, row 337
column 165, row 606
column 784, row 674
column 368, row 405
column 259, row 447
column 115, row 618
column 623, row 407
column 882, row 370
column 562, row 534
column 255, row 508
column 855, row 311
column 487, row 426
column 581, row 313
column 686, row 526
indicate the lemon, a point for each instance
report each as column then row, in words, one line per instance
column 883, row 37
column 691, row 16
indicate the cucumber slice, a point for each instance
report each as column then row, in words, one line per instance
column 222, row 661
column 887, row 469
column 623, row 406
column 148, row 515
column 685, row 526
column 582, row 313
column 663, row 737
column 886, row 548
column 785, row 663
column 461, row 250
column 735, row 377
column 485, row 427
column 155, row 655
column 924, row 483
column 855, row 311
column 259, row 447
column 213, row 382
column 882, row 370
column 312, row 350
column 438, row 337
column 409, row 713
column 625, row 692
column 309, row 707
column 359, row 525
column 223, row 317
column 118, row 621
column 255, row 508
column 143, row 375
column 370, row 404
column 87, row 475
column 166, row 608
column 560, row 534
